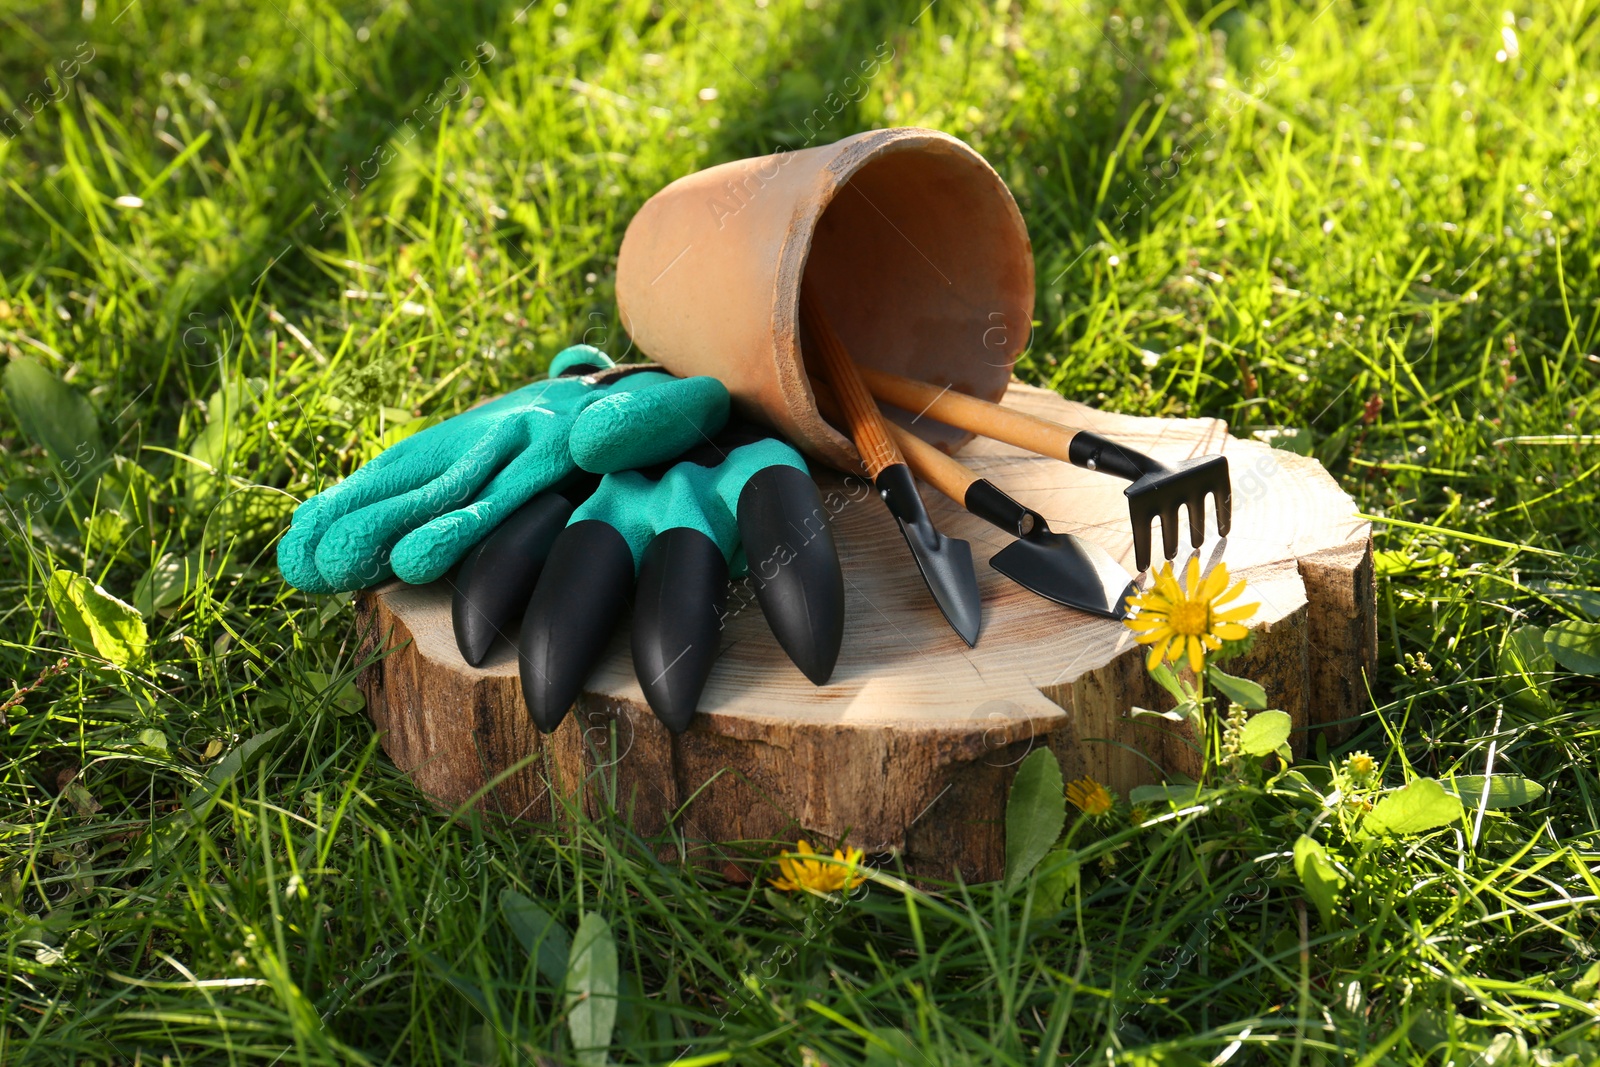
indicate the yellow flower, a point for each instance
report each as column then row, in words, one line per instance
column 1089, row 796
column 1174, row 619
column 816, row 875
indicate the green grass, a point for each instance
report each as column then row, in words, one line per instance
column 1384, row 237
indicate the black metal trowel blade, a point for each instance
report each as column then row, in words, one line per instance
column 945, row 562
column 1068, row 570
column 1060, row 567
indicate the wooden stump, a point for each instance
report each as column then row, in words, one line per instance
column 912, row 746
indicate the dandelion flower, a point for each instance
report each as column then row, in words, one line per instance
column 1089, row 796
column 1189, row 619
column 800, row 872
column 1361, row 766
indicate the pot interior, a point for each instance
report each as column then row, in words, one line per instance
column 921, row 262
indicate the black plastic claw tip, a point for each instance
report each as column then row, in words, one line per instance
column 580, row 596
column 498, row 576
column 794, row 566
column 677, row 622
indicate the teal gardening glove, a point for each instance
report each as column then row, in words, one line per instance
column 418, row 507
column 742, row 503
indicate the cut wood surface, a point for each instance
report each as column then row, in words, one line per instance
column 912, row 746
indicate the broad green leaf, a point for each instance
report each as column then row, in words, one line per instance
column 1169, row 681
column 132, row 490
column 635, row 1011
column 1505, row 790
column 1417, row 808
column 468, row 989
column 892, row 1048
column 1175, row 794
column 228, row 766
column 1294, row 439
column 1177, row 714
column 251, row 514
column 1585, row 987
column 540, row 935
column 1404, row 562
column 224, row 413
column 592, row 989
column 1431, row 1027
column 1036, row 811
column 1578, row 597
column 247, row 513
column 1051, row 889
column 1507, row 1050
column 1163, row 1057
column 1524, row 651
column 1320, row 877
column 1241, row 691
column 1265, row 733
column 153, row 739
column 54, row 415
column 78, row 795
column 397, row 429
column 1575, row 645
column 1391, row 562
column 1525, row 664
column 168, row 583
column 105, row 533
column 1299, row 786
column 97, row 623
column 347, row 699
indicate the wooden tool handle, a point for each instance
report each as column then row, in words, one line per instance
column 964, row 412
column 867, row 426
column 950, row 476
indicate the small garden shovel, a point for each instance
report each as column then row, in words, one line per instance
column 945, row 562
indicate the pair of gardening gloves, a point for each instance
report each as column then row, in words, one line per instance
column 560, row 499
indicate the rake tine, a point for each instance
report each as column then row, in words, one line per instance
column 1141, row 542
column 1169, row 530
column 1197, row 518
column 1217, row 486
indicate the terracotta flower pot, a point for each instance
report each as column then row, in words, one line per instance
column 914, row 245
